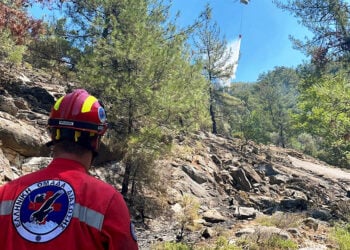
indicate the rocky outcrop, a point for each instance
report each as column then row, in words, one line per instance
column 18, row 136
column 238, row 183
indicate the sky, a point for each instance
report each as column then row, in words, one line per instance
column 265, row 31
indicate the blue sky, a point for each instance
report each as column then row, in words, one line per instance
column 264, row 28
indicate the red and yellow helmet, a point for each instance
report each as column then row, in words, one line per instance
column 79, row 111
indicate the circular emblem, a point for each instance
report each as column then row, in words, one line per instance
column 43, row 210
column 101, row 114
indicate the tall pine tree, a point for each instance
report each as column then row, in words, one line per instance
column 135, row 59
column 213, row 50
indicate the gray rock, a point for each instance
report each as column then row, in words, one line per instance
column 252, row 175
column 195, row 175
column 7, row 105
column 321, row 214
column 18, row 136
column 213, row 216
column 279, row 179
column 208, row 233
column 267, row 169
column 245, row 213
column 293, row 204
column 240, row 180
column 245, row 231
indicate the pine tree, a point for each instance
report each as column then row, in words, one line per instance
column 329, row 21
column 324, row 113
column 277, row 95
column 213, row 50
column 137, row 62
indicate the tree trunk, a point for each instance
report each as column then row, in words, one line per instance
column 212, row 112
column 212, row 115
column 130, row 116
column 126, row 179
column 281, row 136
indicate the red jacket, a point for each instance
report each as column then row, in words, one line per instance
column 62, row 207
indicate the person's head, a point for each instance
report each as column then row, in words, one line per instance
column 76, row 124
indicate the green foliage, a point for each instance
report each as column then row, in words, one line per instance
column 212, row 50
column 273, row 242
column 264, row 113
column 255, row 127
column 341, row 235
column 188, row 214
column 223, row 244
column 147, row 78
column 52, row 50
column 324, row 113
column 143, row 149
column 10, row 52
column 171, row 246
column 211, row 45
column 277, row 95
column 225, row 107
column 305, row 143
column 134, row 59
column 276, row 242
column 329, row 23
column 138, row 62
column 245, row 122
column 280, row 220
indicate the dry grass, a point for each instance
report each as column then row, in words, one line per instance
column 281, row 220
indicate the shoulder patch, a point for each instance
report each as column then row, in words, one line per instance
column 43, row 210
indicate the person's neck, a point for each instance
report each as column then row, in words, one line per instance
column 84, row 159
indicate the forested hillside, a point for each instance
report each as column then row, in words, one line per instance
column 155, row 82
column 159, row 82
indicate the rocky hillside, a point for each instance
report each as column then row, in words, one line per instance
column 215, row 186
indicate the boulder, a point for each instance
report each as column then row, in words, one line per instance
column 245, row 213
column 262, row 232
column 279, row 179
column 293, row 204
column 21, row 137
column 240, row 180
column 213, row 216
column 195, row 174
column 252, row 175
column 7, row 105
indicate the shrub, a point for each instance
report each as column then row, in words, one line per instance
column 9, row 51
column 341, row 235
column 273, row 242
column 276, row 242
column 223, row 244
column 308, row 144
column 343, row 208
column 171, row 246
column 280, row 220
column 220, row 244
column 188, row 215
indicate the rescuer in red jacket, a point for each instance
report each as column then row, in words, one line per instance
column 62, row 206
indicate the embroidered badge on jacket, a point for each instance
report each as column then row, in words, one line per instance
column 43, row 210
